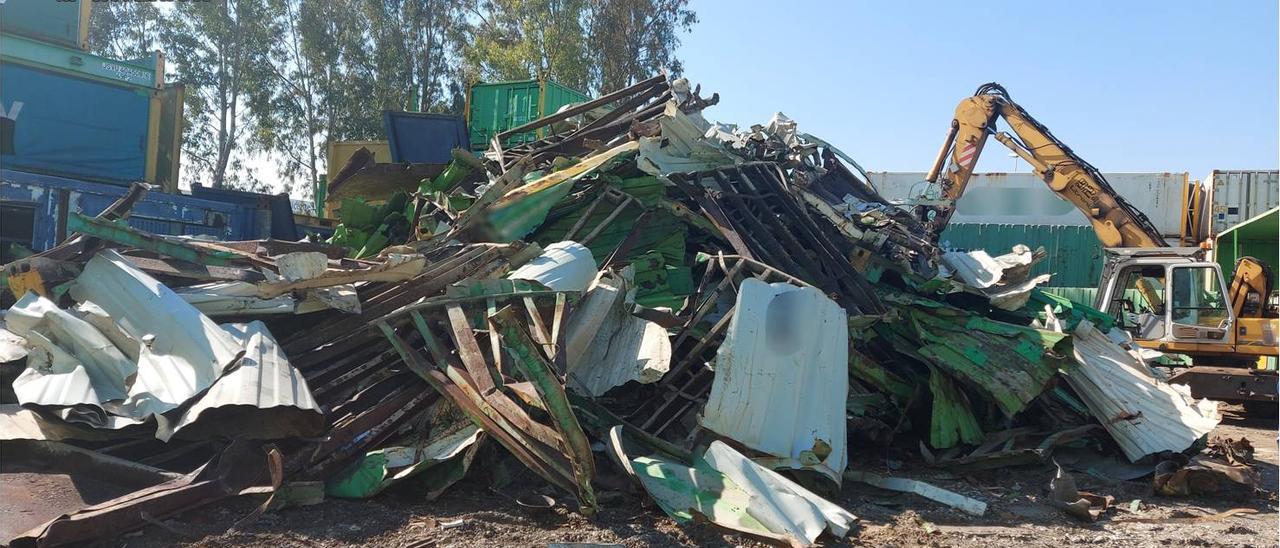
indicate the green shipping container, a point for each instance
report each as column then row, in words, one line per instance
column 1256, row 237
column 1074, row 258
column 493, row 108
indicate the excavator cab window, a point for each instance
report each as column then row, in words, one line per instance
column 1198, row 304
column 1137, row 302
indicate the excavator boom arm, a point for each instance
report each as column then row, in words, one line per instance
column 1116, row 222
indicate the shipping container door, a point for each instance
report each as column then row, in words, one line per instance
column 72, row 126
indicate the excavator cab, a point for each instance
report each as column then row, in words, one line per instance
column 1167, row 297
column 1171, row 300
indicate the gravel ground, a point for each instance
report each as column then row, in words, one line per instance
column 1017, row 516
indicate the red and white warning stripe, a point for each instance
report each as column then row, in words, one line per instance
column 966, row 155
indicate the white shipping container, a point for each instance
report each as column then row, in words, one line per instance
column 1023, row 198
column 1240, row 195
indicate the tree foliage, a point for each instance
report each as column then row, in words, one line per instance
column 222, row 52
column 124, row 30
column 631, row 40
column 281, row 78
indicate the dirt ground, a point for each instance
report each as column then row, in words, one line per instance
column 470, row 514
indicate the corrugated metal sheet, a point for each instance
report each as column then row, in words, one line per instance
column 562, row 266
column 725, row 487
column 1022, row 198
column 782, row 377
column 1239, row 195
column 72, row 363
column 1078, row 295
column 1075, row 256
column 606, row 346
column 1143, row 414
column 187, row 351
column 264, row 398
column 232, row 298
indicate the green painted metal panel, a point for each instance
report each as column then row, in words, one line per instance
column 1255, row 238
column 1078, row 295
column 1074, row 255
column 499, row 106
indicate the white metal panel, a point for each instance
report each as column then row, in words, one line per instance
column 1022, row 198
column 782, row 379
column 1240, row 195
column 781, row 504
column 607, row 346
column 1145, row 415
column 562, row 266
column 183, row 353
column 724, row 487
column 66, row 347
column 266, row 395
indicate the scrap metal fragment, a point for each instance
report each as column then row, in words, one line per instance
column 562, row 266
column 1145, row 415
column 43, row 480
column 932, row 492
column 782, row 378
column 559, row 453
column 185, row 352
column 1203, row 476
column 73, row 363
column 263, row 398
column 382, row 468
column 606, row 346
column 685, row 386
column 1081, row 505
column 235, row 468
column 394, row 268
column 731, row 491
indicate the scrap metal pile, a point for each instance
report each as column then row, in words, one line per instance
column 716, row 315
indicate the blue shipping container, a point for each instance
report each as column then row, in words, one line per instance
column 74, row 127
column 34, row 196
column 422, row 138
column 273, row 214
column 64, row 22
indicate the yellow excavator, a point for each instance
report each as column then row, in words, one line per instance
column 1169, row 298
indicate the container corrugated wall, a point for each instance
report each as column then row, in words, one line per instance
column 1240, row 195
column 496, row 107
column 1023, row 198
column 1256, row 239
column 1075, row 256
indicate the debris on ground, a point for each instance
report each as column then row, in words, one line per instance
column 641, row 297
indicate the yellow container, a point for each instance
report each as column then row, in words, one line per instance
column 340, row 152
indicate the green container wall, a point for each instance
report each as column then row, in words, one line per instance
column 1078, row 295
column 497, row 107
column 1257, row 238
column 1074, row 257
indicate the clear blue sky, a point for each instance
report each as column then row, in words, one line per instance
column 1173, row 85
